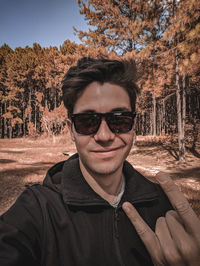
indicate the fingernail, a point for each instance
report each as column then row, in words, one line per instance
column 126, row 208
column 162, row 177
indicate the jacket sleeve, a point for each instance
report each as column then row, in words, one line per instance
column 20, row 232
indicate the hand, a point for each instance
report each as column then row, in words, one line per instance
column 176, row 240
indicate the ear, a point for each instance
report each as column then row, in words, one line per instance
column 69, row 125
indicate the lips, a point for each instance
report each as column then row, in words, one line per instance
column 106, row 150
column 106, row 153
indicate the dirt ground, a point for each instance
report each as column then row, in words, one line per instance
column 24, row 162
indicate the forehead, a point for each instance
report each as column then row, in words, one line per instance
column 102, row 98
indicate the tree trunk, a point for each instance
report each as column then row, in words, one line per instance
column 9, row 129
column 24, row 121
column 163, row 118
column 55, row 100
column 180, row 118
column 184, row 104
column 160, row 120
column 5, row 122
column 154, row 115
column 29, row 103
column 35, row 120
column 1, row 122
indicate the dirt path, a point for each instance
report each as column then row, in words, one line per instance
column 24, row 162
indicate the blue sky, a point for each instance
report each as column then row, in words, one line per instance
column 47, row 22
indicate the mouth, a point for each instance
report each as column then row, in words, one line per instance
column 106, row 152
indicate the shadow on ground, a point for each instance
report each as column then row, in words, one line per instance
column 40, row 164
column 187, row 173
column 193, row 151
column 172, row 151
column 145, row 151
column 18, row 174
column 12, row 182
column 7, row 151
column 4, row 161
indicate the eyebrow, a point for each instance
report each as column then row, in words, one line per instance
column 88, row 111
column 117, row 109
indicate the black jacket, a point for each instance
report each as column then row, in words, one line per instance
column 64, row 222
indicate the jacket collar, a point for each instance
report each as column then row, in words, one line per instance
column 76, row 191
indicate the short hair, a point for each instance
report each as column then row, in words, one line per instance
column 88, row 70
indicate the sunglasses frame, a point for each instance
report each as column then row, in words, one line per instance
column 104, row 115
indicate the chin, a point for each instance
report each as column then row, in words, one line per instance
column 104, row 169
column 103, row 165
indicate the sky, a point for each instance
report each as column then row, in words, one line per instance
column 47, row 22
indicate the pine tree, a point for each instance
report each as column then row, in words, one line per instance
column 163, row 37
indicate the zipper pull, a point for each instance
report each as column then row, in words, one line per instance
column 116, row 219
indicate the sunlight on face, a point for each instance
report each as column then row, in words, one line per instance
column 103, row 153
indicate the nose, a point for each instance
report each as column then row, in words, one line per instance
column 104, row 134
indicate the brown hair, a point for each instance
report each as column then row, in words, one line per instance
column 88, row 70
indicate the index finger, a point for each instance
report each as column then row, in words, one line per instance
column 179, row 202
column 148, row 237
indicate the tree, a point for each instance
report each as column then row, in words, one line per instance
column 53, row 122
column 128, row 26
column 162, row 36
column 6, row 115
column 119, row 25
column 183, row 35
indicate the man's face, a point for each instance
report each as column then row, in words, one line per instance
column 104, row 152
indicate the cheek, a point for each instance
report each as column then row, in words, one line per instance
column 81, row 142
column 128, row 138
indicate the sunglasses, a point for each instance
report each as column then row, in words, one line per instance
column 89, row 123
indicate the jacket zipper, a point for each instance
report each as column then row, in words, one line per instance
column 116, row 219
column 116, row 236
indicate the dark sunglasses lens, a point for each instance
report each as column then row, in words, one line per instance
column 86, row 123
column 120, row 123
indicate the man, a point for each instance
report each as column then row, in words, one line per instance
column 83, row 213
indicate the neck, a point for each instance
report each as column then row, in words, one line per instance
column 105, row 185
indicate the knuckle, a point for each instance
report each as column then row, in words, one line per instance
column 171, row 213
column 172, row 257
column 139, row 226
column 182, row 206
column 141, row 231
column 158, row 258
column 189, row 251
column 170, row 186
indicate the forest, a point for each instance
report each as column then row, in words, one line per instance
column 163, row 37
